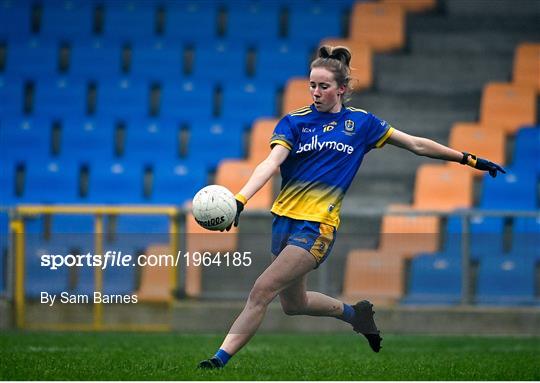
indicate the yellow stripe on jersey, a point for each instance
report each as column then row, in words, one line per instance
column 385, row 137
column 305, row 201
column 321, row 244
column 280, row 142
column 353, row 109
column 302, row 109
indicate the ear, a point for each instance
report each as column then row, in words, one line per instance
column 341, row 90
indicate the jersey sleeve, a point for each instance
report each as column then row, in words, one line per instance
column 379, row 131
column 284, row 134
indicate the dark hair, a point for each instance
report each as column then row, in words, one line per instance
column 336, row 60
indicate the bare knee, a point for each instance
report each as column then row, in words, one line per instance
column 261, row 293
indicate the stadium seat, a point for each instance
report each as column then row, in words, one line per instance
column 482, row 141
column 129, row 20
column 25, row 138
column 506, row 280
column 526, row 238
column 434, row 279
column 526, row 69
column 15, row 19
column 380, row 25
column 96, row 59
column 12, row 95
column 252, row 22
column 144, row 138
column 527, row 149
column 116, row 183
column 58, row 97
column 214, row 140
column 277, row 61
column 442, row 187
column 485, row 236
column 32, row 58
column 184, row 17
column 361, row 62
column 157, row 60
column 85, row 139
column 233, row 174
column 507, row 106
column 375, row 274
column 50, row 182
column 259, row 147
column 187, row 100
column 296, row 95
column 220, row 61
column 257, row 100
column 414, row 5
column 515, row 190
column 176, row 183
column 304, row 16
column 156, row 280
column 123, row 98
column 67, row 20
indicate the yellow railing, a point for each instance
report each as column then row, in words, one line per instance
column 98, row 211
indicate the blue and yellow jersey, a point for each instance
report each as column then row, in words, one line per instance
column 326, row 152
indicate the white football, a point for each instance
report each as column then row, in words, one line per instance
column 214, row 207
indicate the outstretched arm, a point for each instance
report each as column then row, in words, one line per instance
column 429, row 148
column 260, row 176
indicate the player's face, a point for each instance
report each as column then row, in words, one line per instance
column 325, row 91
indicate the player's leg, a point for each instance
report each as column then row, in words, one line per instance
column 292, row 263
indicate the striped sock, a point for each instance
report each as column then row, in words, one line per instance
column 223, row 355
column 348, row 313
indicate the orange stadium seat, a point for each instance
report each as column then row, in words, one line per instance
column 156, row 281
column 507, row 106
column 441, row 187
column 259, row 146
column 527, row 65
column 380, row 25
column 482, row 141
column 374, row 275
column 414, row 5
column 233, row 174
column 361, row 62
column 296, row 95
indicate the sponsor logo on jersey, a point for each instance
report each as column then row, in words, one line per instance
column 314, row 144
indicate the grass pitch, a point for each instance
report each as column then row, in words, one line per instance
column 173, row 356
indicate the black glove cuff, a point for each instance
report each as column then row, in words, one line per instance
column 464, row 159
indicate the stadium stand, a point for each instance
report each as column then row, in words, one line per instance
column 526, row 69
column 414, row 5
column 155, row 281
column 295, row 95
column 259, row 146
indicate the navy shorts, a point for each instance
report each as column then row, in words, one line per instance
column 315, row 237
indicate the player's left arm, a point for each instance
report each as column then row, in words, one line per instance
column 429, row 148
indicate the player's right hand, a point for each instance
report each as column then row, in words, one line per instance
column 239, row 209
column 481, row 164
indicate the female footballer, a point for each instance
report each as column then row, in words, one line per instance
column 318, row 150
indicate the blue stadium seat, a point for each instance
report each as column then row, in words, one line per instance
column 526, row 237
column 58, row 97
column 95, row 59
column 277, row 62
column 514, row 190
column 25, row 138
column 184, row 17
column 157, row 60
column 40, row 278
column 85, row 139
column 152, row 141
column 186, row 100
column 67, row 20
column 214, row 140
column 310, row 23
column 15, row 19
column 116, row 183
column 257, row 99
column 32, row 58
column 11, row 96
column 51, row 182
column 485, row 238
column 220, row 61
column 506, row 280
column 434, row 279
column 178, row 182
column 252, row 22
column 129, row 20
column 123, row 98
column 527, row 149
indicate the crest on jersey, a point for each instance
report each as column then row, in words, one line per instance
column 349, row 127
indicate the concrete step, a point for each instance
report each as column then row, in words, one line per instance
column 501, row 8
column 440, row 73
column 442, row 23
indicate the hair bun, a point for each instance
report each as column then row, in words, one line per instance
column 337, row 53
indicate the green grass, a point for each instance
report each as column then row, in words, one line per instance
column 149, row 356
